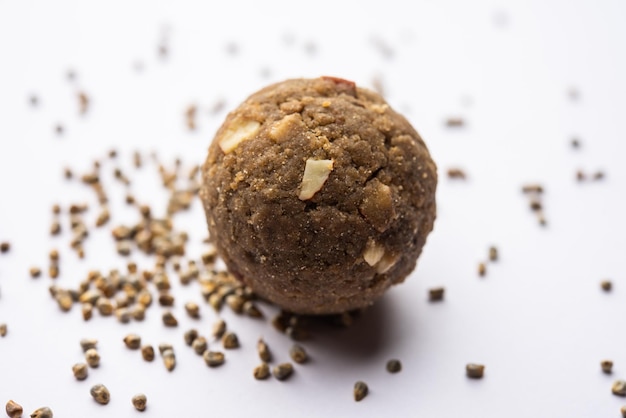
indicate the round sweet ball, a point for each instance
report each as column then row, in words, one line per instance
column 318, row 195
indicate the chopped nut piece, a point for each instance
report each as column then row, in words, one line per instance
column 282, row 371
column 360, row 391
column 213, row 358
column 373, row 252
column 474, row 371
column 238, row 132
column 316, row 172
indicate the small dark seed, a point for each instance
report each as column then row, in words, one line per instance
column 190, row 336
column 264, row 351
column 607, row 366
column 606, row 285
column 147, row 352
column 436, row 294
column 282, row 371
column 35, row 272
column 5, row 247
column 360, row 390
column 298, row 354
column 619, row 388
column 14, row 410
column 139, row 402
column 199, row 345
column 132, row 341
column 3, row 330
column 493, row 254
column 92, row 357
column 261, row 372
column 213, row 358
column 623, row 411
column 169, row 320
column 100, row 394
column 230, row 340
column 87, row 343
column 474, row 371
column 482, row 269
column 44, row 412
column 80, row 371
column 394, row 366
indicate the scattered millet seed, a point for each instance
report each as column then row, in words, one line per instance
column 213, row 358
column 3, row 330
column 44, row 412
column 147, row 352
column 199, row 345
column 455, row 122
column 619, row 388
column 100, row 394
column 298, row 354
column 104, row 306
column 139, row 402
column 493, row 254
column 261, row 372
column 5, row 247
column 169, row 320
column 163, row 347
column 235, row 302
column 264, row 351
column 606, row 285
column 607, row 366
column 230, row 340
column 456, row 173
column 599, row 175
column 482, row 269
column 132, row 341
column 532, row 188
column 192, row 309
column 436, row 294
column 360, row 390
column 53, row 271
column 80, row 371
column 55, row 228
column 250, row 309
column 92, row 357
column 87, row 343
column 190, row 336
column 474, row 371
column 169, row 359
column 87, row 311
column 394, row 366
column 282, row 371
column 166, row 299
column 14, row 410
column 34, row 272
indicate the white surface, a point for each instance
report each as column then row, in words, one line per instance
column 538, row 320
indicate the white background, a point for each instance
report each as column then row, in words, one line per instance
column 538, row 321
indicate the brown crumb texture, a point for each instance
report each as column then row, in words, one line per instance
column 370, row 206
